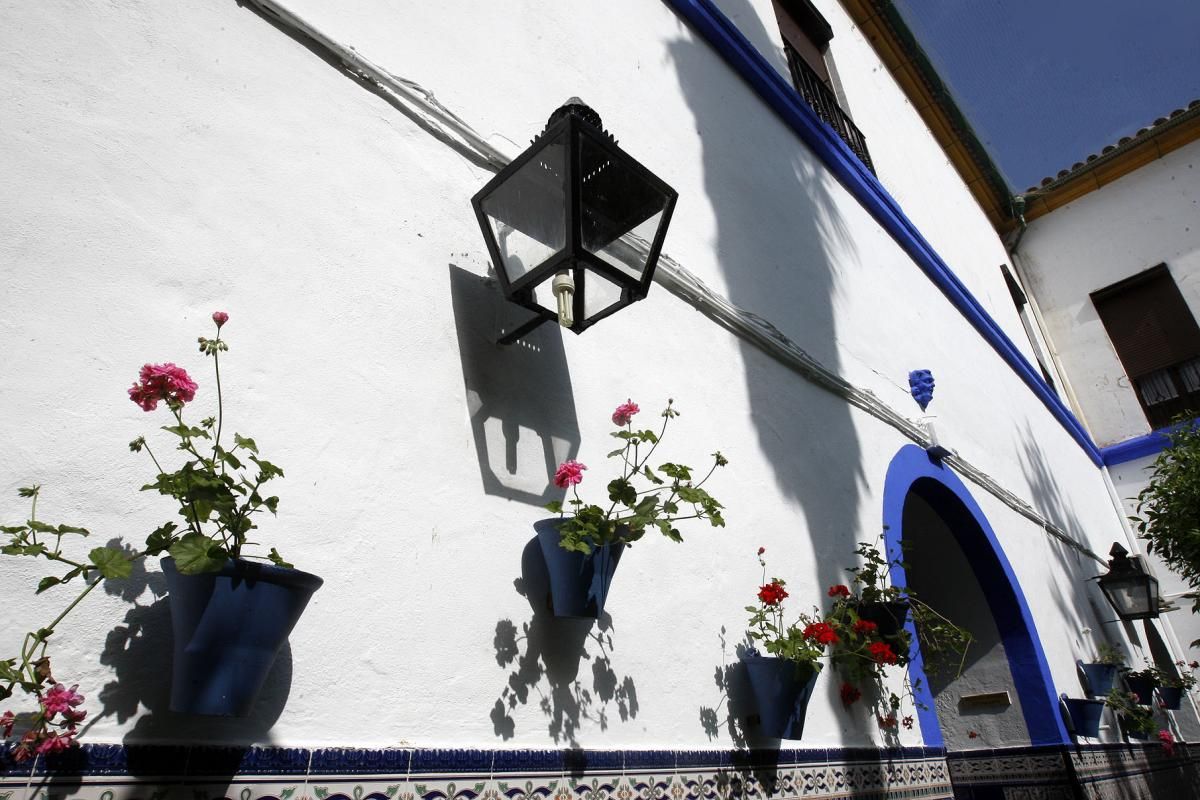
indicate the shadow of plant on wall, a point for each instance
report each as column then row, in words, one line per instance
column 546, row 656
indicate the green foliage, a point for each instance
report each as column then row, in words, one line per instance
column 111, row 561
column 1169, row 507
column 640, row 498
column 1110, row 655
column 218, row 490
column 943, row 644
column 1134, row 716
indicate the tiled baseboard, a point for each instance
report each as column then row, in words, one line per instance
column 115, row 772
column 1094, row 772
column 150, row 772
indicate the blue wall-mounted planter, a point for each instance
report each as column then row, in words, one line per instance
column 1085, row 715
column 579, row 582
column 781, row 690
column 1171, row 696
column 228, row 628
column 1100, row 677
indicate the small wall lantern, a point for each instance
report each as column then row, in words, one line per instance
column 1128, row 586
column 554, row 219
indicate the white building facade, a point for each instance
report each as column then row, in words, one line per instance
column 308, row 168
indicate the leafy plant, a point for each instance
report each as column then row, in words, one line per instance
column 1110, row 655
column 55, row 724
column 1150, row 673
column 1183, row 677
column 215, row 490
column 803, row 641
column 1134, row 717
column 640, row 497
column 1169, row 507
column 943, row 644
column 219, row 490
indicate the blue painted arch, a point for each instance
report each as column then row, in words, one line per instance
column 912, row 471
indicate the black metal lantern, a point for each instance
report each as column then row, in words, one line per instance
column 574, row 224
column 1128, row 586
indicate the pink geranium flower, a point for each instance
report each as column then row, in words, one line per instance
column 162, row 382
column 60, row 699
column 7, row 720
column 220, row 317
column 568, row 474
column 1168, row 741
column 624, row 413
column 55, row 743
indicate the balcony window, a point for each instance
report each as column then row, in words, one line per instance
column 806, row 36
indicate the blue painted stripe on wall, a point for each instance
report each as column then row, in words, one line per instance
column 1133, row 449
column 1150, row 444
column 769, row 85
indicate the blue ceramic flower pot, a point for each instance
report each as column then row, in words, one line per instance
column 1100, row 677
column 1085, row 715
column 1143, row 688
column 781, row 690
column 1171, row 696
column 579, row 582
column 228, row 627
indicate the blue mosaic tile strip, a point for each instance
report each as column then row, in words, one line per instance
column 528, row 761
column 115, row 759
column 10, row 768
column 353, row 761
column 577, row 762
column 224, row 762
column 452, row 762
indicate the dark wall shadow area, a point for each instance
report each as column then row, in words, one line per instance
column 781, row 244
column 546, row 658
column 526, row 385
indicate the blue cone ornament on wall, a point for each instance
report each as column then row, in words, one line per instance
column 920, row 385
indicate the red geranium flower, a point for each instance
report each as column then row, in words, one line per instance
column 882, row 653
column 762, row 550
column 865, row 626
column 821, row 633
column 772, row 593
column 850, row 694
column 887, row 722
column 972, row 734
column 907, row 722
column 839, row 591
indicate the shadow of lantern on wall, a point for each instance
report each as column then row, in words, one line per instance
column 1128, row 586
column 574, row 224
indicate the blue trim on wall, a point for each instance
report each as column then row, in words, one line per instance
column 768, row 84
column 1150, row 444
column 912, row 471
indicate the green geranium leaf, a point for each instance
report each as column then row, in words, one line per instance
column 161, row 538
column 111, row 562
column 40, row 527
column 46, row 583
column 72, row 529
column 554, row 506
column 196, row 553
column 245, row 443
column 277, row 559
column 266, row 470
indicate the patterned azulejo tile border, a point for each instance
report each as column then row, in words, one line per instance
column 115, row 772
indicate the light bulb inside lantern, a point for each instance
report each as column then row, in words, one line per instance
column 564, row 290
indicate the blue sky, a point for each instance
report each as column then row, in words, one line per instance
column 1044, row 83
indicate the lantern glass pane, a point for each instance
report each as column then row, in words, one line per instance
column 601, row 293
column 616, row 199
column 543, row 295
column 1129, row 596
column 527, row 211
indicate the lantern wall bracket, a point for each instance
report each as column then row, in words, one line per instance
column 518, row 333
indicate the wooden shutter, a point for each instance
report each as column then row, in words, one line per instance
column 1148, row 321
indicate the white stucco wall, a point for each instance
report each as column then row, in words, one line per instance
column 1143, row 219
column 165, row 161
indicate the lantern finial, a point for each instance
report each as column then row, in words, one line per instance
column 576, row 108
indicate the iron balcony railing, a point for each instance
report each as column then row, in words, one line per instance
column 818, row 95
